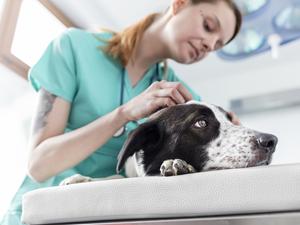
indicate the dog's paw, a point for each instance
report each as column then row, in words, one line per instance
column 174, row 167
column 77, row 178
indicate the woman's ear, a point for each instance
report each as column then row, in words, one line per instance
column 178, row 5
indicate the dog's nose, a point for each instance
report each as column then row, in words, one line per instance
column 267, row 142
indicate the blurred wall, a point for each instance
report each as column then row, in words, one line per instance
column 17, row 102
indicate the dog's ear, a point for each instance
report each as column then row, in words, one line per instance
column 146, row 136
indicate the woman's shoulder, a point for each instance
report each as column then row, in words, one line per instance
column 74, row 33
column 81, row 38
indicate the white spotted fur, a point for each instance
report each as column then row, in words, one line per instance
column 235, row 148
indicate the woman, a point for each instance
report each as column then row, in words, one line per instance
column 91, row 85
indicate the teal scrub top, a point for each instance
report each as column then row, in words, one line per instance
column 75, row 69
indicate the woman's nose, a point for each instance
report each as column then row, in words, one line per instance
column 210, row 43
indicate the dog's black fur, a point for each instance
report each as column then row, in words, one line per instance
column 189, row 138
column 186, row 132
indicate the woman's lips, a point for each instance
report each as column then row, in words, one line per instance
column 196, row 51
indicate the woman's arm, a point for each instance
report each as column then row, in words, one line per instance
column 53, row 151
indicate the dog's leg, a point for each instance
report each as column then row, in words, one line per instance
column 117, row 176
column 173, row 167
column 77, row 178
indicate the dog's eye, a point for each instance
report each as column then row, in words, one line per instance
column 200, row 124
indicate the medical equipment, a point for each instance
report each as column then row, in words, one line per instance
column 267, row 25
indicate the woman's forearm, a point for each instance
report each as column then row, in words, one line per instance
column 64, row 151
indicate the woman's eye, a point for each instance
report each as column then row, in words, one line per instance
column 201, row 124
column 206, row 26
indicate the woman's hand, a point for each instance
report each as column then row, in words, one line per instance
column 234, row 119
column 159, row 95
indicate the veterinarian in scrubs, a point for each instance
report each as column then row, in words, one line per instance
column 93, row 86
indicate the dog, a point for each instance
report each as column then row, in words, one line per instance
column 188, row 138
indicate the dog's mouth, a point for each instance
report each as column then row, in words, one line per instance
column 218, row 168
column 263, row 163
column 262, row 154
column 260, row 163
column 259, row 159
column 262, row 151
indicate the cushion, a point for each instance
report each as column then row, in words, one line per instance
column 262, row 189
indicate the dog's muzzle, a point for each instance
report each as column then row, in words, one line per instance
column 267, row 142
column 265, row 147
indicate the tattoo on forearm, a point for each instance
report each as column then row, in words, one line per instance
column 44, row 107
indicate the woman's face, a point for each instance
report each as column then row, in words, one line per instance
column 195, row 30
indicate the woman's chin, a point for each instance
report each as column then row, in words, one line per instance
column 185, row 60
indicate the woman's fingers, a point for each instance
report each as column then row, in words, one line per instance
column 234, row 119
column 159, row 103
column 179, row 91
column 159, row 95
column 170, row 92
column 163, row 102
column 179, row 87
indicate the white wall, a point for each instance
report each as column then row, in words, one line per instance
column 284, row 123
column 16, row 104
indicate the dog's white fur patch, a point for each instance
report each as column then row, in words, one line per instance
column 134, row 167
column 233, row 147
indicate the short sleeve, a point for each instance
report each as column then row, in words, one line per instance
column 173, row 77
column 55, row 71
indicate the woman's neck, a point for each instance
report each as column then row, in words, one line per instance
column 149, row 51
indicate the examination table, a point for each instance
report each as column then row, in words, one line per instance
column 252, row 196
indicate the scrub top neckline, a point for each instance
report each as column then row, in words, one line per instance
column 142, row 83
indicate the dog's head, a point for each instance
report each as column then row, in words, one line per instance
column 200, row 134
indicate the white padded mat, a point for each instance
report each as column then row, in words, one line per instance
column 225, row 192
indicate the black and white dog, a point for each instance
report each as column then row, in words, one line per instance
column 188, row 138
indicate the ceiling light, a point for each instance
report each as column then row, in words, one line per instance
column 288, row 18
